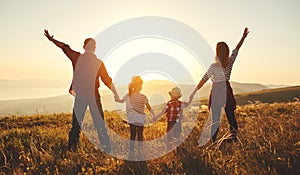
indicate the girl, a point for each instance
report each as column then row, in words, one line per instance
column 219, row 72
column 135, row 109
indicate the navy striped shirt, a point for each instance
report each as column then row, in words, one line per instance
column 216, row 71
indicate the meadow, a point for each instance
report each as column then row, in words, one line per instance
column 268, row 143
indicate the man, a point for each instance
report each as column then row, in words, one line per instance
column 87, row 69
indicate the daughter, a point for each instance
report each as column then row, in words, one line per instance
column 135, row 109
column 219, row 72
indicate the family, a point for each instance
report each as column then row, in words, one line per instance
column 87, row 64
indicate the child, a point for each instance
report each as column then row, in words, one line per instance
column 135, row 109
column 219, row 72
column 174, row 110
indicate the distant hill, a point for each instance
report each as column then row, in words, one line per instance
column 272, row 86
column 271, row 95
column 156, row 91
column 33, row 83
column 50, row 105
column 239, row 88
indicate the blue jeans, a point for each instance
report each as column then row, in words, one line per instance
column 79, row 109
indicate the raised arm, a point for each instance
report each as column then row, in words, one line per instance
column 238, row 46
column 51, row 38
column 71, row 54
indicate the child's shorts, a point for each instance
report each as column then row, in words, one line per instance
column 175, row 127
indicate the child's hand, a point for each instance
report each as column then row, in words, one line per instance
column 154, row 119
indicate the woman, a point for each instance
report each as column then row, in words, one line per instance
column 221, row 92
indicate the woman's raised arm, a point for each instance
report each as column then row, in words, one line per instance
column 238, row 46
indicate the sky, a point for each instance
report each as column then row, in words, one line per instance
column 268, row 56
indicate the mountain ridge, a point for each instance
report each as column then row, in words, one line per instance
column 64, row 103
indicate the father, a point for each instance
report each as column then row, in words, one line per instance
column 87, row 69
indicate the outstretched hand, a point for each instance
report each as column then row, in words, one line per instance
column 154, row 119
column 117, row 99
column 48, row 35
column 246, row 31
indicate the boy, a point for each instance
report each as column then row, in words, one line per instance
column 174, row 111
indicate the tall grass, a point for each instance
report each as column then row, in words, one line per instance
column 268, row 143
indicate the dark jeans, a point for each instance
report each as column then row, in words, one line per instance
column 79, row 109
column 216, row 110
column 221, row 94
column 136, row 130
column 173, row 131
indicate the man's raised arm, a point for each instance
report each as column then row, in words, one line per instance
column 51, row 38
column 71, row 54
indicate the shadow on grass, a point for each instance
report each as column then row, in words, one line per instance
column 193, row 164
column 132, row 167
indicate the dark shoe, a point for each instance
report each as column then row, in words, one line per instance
column 231, row 139
column 72, row 147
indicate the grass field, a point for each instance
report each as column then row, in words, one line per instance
column 269, row 143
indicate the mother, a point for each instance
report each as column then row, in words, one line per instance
column 221, row 92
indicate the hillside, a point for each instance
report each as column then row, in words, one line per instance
column 271, row 95
column 37, row 106
column 156, row 91
column 266, row 96
column 269, row 143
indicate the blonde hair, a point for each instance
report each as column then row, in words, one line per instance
column 222, row 51
column 135, row 84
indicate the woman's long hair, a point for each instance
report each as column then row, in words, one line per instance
column 135, row 84
column 222, row 51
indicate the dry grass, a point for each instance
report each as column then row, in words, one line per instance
column 269, row 143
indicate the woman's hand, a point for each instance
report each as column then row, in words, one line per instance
column 245, row 34
column 246, row 31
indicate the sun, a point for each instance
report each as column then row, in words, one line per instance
column 134, row 47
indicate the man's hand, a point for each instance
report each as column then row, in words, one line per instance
column 117, row 99
column 48, row 35
column 51, row 38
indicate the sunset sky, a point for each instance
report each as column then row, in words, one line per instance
column 270, row 54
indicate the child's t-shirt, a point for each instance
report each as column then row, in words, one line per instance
column 135, row 107
column 174, row 109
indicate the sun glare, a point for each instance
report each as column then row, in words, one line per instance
column 129, row 49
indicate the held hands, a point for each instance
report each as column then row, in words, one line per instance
column 48, row 35
column 154, row 119
column 117, row 99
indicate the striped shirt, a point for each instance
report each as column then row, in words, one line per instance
column 216, row 71
column 135, row 103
